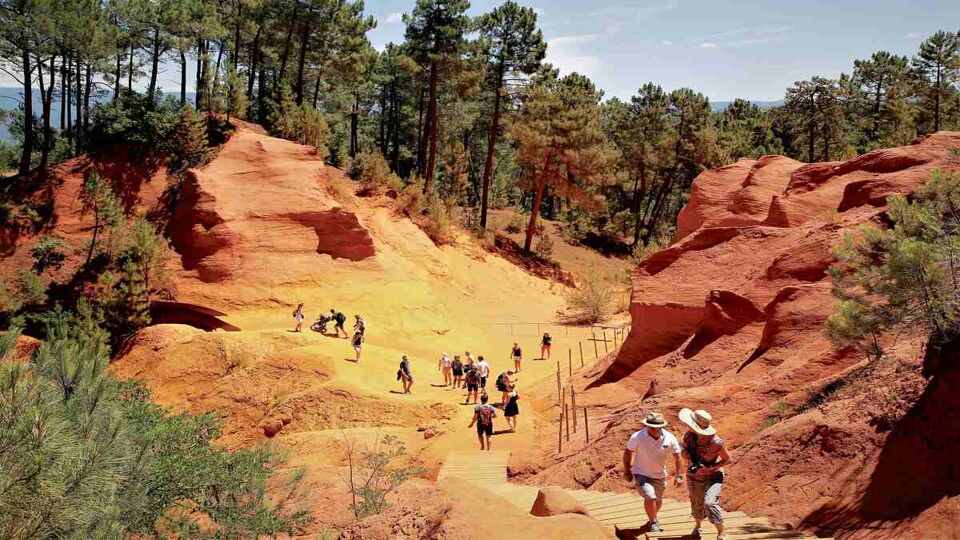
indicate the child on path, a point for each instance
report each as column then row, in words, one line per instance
column 358, row 344
column 298, row 316
column 484, row 368
column 483, row 416
column 404, row 375
column 445, row 367
column 511, row 410
column 517, row 355
column 545, row 346
column 457, row 368
column 360, row 325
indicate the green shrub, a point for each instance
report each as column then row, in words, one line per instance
column 544, row 246
column 86, row 456
column 373, row 473
column 515, row 225
column 373, row 173
column 591, row 302
column 48, row 253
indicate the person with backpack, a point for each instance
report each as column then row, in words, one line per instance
column 298, row 316
column 445, row 366
column 404, row 375
column 483, row 416
column 339, row 319
column 545, row 344
column 517, row 355
column 511, row 410
column 471, row 377
column 457, row 368
column 503, row 384
column 358, row 344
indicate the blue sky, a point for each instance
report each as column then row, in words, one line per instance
column 746, row 48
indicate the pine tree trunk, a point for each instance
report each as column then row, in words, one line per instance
column 421, row 138
column 936, row 107
column 876, row 110
column 64, row 102
column 183, row 78
column 130, row 67
column 47, row 106
column 537, row 199
column 354, row 120
column 26, row 153
column 117, row 86
column 78, row 98
column 236, row 37
column 301, row 64
column 154, row 67
column 88, row 85
column 395, row 110
column 639, row 192
column 316, row 91
column 198, row 92
column 285, row 55
column 254, row 53
column 432, row 115
column 261, row 95
column 69, row 103
column 491, row 146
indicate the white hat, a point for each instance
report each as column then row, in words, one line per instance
column 699, row 421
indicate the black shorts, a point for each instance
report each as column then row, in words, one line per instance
column 457, row 372
column 483, row 382
column 472, row 387
column 485, row 429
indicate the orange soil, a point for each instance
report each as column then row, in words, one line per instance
column 730, row 318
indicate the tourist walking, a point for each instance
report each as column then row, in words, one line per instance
column 512, row 410
column 645, row 460
column 471, row 376
column 503, row 384
column 404, row 375
column 517, row 356
column 339, row 319
column 445, row 366
column 545, row 344
column 298, row 317
column 456, row 367
column 484, row 368
column 483, row 416
column 358, row 344
column 706, row 454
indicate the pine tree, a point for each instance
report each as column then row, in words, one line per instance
column 435, row 33
column 559, row 134
column 99, row 198
column 816, row 115
column 938, row 62
column 880, row 83
column 514, row 47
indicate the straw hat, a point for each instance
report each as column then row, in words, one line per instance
column 654, row 420
column 699, row 421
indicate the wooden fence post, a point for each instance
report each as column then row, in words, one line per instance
column 570, row 363
column 580, row 344
column 567, row 418
column 573, row 406
column 606, row 349
column 560, row 433
column 593, row 337
column 559, row 395
column 586, row 424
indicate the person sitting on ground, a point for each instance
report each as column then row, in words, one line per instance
column 545, row 343
column 456, row 367
column 645, row 461
column 484, row 368
column 358, row 344
column 706, row 453
column 483, row 416
column 298, row 317
column 339, row 319
column 517, row 356
column 503, row 384
column 404, row 375
column 471, row 376
column 360, row 325
column 445, row 366
column 512, row 410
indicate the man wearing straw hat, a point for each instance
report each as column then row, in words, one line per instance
column 645, row 461
column 707, row 454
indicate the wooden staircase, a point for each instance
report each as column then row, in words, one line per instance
column 622, row 513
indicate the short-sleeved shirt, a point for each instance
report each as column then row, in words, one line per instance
column 651, row 456
column 484, row 368
column 708, row 453
column 445, row 361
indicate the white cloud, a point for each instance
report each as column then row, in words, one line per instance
column 393, row 18
column 740, row 37
column 666, row 42
column 572, row 53
column 708, row 45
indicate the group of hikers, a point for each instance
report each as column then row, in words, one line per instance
column 339, row 320
column 650, row 451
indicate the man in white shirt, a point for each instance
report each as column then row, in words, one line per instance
column 645, row 462
column 484, row 368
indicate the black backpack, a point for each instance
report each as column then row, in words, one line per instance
column 340, row 317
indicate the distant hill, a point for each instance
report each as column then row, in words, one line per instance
column 11, row 96
column 718, row 106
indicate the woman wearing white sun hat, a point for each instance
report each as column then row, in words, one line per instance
column 706, row 453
